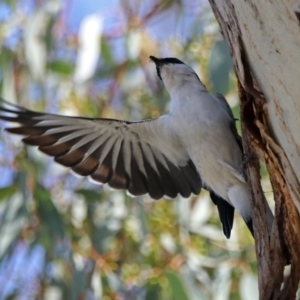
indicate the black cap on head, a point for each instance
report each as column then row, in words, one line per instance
column 159, row 62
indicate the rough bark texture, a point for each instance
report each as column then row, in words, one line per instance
column 264, row 40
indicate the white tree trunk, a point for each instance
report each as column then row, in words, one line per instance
column 264, row 39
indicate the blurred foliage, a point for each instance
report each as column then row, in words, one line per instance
column 62, row 237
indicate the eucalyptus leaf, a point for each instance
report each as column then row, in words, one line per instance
column 220, row 65
column 106, row 53
column 12, row 222
column 78, row 286
column 89, row 195
column 48, row 213
column 35, row 49
column 61, row 67
column 7, row 192
column 153, row 292
column 177, row 288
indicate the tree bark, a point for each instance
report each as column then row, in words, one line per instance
column 264, row 40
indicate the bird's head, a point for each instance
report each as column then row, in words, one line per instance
column 174, row 73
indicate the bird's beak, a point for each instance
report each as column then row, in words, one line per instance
column 156, row 60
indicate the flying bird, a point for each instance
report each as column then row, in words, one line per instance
column 194, row 146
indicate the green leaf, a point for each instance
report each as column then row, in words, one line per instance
column 106, row 53
column 220, row 65
column 48, row 212
column 78, row 285
column 12, row 222
column 100, row 237
column 61, row 67
column 7, row 192
column 177, row 288
column 106, row 71
column 89, row 195
column 153, row 292
column 49, row 38
column 114, row 282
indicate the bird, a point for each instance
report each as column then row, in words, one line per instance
column 194, row 146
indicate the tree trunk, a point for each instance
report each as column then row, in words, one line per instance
column 264, row 40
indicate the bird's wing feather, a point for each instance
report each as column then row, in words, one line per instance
column 141, row 157
column 227, row 108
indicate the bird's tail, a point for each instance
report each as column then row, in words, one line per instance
column 226, row 213
column 270, row 219
column 239, row 196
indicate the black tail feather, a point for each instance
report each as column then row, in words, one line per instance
column 226, row 213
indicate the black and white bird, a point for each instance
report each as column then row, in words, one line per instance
column 195, row 145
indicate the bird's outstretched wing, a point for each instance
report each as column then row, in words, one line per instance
column 141, row 157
